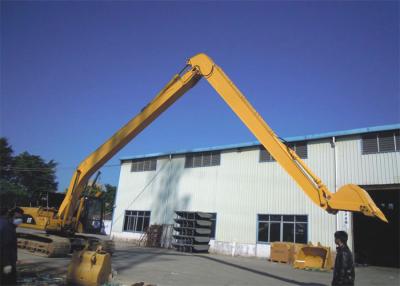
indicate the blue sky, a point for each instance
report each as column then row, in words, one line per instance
column 72, row 73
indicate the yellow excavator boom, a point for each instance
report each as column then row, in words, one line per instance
column 348, row 198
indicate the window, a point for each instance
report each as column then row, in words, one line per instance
column 380, row 142
column 204, row 159
column 136, row 221
column 144, row 165
column 369, row 144
column 289, row 228
column 386, row 143
column 299, row 147
column 265, row 156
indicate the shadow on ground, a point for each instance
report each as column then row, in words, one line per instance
column 40, row 273
column 126, row 260
column 130, row 258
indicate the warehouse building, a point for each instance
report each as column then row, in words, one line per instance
column 255, row 202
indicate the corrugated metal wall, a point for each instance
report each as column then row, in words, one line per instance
column 371, row 169
column 241, row 187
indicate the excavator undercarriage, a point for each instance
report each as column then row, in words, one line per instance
column 43, row 244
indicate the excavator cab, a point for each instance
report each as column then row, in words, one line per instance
column 92, row 216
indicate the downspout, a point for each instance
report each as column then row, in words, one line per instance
column 335, row 171
column 168, row 187
column 166, row 236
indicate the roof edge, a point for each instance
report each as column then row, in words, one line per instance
column 256, row 143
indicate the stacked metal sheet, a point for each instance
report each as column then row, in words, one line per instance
column 192, row 231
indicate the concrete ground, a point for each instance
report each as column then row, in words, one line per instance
column 168, row 267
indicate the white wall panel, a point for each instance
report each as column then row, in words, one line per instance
column 241, row 187
column 371, row 169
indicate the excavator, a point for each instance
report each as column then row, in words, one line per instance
column 88, row 219
column 63, row 222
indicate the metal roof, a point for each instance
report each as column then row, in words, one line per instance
column 256, row 143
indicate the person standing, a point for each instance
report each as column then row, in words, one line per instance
column 343, row 272
column 9, row 220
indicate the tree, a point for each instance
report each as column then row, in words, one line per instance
column 10, row 190
column 24, row 177
column 35, row 174
column 93, row 189
column 6, row 159
column 109, row 197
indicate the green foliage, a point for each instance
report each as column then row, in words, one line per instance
column 12, row 194
column 25, row 176
column 92, row 190
column 6, row 159
column 10, row 187
column 35, row 174
column 109, row 197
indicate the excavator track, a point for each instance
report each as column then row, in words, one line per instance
column 48, row 245
column 44, row 244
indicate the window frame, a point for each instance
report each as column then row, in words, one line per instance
column 395, row 134
column 199, row 159
column 128, row 217
column 267, row 155
column 281, row 223
column 291, row 145
column 295, row 145
column 150, row 162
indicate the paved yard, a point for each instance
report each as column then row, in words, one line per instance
column 167, row 267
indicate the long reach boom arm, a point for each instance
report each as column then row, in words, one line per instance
column 348, row 198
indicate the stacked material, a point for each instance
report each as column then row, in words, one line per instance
column 302, row 256
column 152, row 236
column 285, row 252
column 192, row 231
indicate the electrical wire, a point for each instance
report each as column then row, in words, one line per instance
column 36, row 169
column 121, row 215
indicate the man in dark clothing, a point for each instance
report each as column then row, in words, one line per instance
column 9, row 220
column 343, row 273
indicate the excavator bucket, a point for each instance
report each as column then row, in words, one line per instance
column 314, row 257
column 89, row 268
column 353, row 198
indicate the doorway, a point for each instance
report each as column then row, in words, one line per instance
column 375, row 242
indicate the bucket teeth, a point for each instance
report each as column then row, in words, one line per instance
column 355, row 199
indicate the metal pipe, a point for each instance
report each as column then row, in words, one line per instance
column 335, row 174
column 168, row 188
